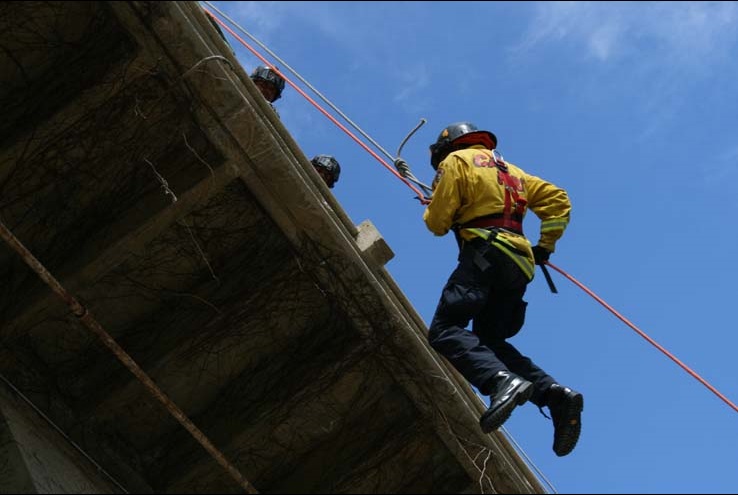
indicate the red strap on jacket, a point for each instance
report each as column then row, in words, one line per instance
column 512, row 215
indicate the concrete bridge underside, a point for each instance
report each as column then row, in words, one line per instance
column 143, row 169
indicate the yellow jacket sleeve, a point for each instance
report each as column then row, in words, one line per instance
column 440, row 214
column 551, row 204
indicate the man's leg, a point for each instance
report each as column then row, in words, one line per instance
column 464, row 295
column 503, row 317
column 523, row 366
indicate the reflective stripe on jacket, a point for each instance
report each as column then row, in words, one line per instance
column 467, row 186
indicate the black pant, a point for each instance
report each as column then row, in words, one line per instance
column 487, row 287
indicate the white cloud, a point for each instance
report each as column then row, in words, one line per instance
column 263, row 17
column 579, row 22
column 412, row 80
column 683, row 33
column 647, row 56
column 603, row 41
column 721, row 170
column 359, row 30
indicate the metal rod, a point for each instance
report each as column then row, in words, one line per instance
column 89, row 321
column 421, row 124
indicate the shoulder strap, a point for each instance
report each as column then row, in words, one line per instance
column 514, row 205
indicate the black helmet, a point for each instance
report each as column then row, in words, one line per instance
column 450, row 140
column 330, row 165
column 263, row 73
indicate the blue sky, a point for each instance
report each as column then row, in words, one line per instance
column 633, row 108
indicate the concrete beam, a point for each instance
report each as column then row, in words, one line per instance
column 371, row 243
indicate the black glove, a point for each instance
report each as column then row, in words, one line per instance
column 540, row 255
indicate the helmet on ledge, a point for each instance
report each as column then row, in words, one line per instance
column 269, row 76
column 328, row 168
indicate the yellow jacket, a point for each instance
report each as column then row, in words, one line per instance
column 467, row 187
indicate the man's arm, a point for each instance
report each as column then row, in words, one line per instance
column 552, row 205
column 439, row 215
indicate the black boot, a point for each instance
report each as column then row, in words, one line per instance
column 566, row 408
column 509, row 391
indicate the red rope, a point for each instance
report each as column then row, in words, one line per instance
column 320, row 108
column 643, row 334
column 421, row 195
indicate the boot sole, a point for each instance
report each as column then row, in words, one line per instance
column 493, row 421
column 568, row 440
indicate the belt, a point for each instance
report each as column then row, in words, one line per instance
column 510, row 224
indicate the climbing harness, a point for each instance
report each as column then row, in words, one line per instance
column 492, row 236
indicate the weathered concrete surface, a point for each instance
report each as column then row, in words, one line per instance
column 37, row 458
column 142, row 167
column 371, row 242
